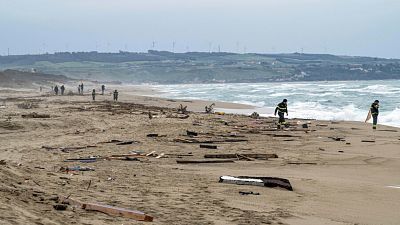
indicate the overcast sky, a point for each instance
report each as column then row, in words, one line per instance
column 345, row 27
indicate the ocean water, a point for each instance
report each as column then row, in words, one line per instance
column 333, row 100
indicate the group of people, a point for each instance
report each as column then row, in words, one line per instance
column 281, row 109
column 61, row 90
column 57, row 90
column 103, row 88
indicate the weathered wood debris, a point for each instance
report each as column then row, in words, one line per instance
column 235, row 155
column 107, row 209
column 257, row 181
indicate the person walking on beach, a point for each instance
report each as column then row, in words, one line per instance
column 281, row 108
column 94, row 94
column 103, row 88
column 82, row 88
column 62, row 89
column 56, row 89
column 374, row 110
column 115, row 94
column 79, row 89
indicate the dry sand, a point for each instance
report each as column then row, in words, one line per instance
column 345, row 182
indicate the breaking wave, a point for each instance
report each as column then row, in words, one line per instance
column 346, row 100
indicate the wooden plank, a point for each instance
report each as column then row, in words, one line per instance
column 204, row 161
column 299, row 163
column 234, row 155
column 109, row 210
column 208, row 146
column 367, row 140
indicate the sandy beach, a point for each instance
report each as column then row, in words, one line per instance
column 341, row 172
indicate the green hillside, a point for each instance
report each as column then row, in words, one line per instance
column 201, row 67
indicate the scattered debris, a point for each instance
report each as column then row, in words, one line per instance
column 151, row 153
column 304, row 125
column 299, row 163
column 3, row 162
column 255, row 115
column 75, row 168
column 204, row 161
column 337, row 138
column 127, row 143
column 152, row 135
column 107, row 209
column 257, row 181
column 68, row 149
column 340, row 151
column 248, row 193
column 182, row 109
column 209, row 109
column 209, row 146
column 83, row 160
column 60, row 207
column 207, row 141
column 235, row 155
column 162, row 155
column 367, row 140
column 191, row 133
column 35, row 115
column 322, row 125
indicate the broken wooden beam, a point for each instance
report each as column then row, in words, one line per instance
column 204, row 161
column 192, row 140
column 191, row 133
column 107, row 209
column 209, row 146
column 300, row 163
column 367, row 140
column 126, row 143
column 257, row 181
column 35, row 115
column 234, row 155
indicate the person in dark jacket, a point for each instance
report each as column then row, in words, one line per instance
column 281, row 108
column 94, row 94
column 56, row 89
column 115, row 95
column 103, row 88
column 62, row 89
column 374, row 113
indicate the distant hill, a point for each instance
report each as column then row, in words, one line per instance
column 18, row 79
column 203, row 67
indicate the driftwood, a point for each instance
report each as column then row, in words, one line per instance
column 35, row 115
column 235, row 155
column 182, row 109
column 191, row 133
column 209, row 109
column 257, row 181
column 204, row 161
column 107, row 209
column 209, row 146
column 367, row 140
column 127, row 142
column 68, row 149
column 191, row 140
column 300, row 163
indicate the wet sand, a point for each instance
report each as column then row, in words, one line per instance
column 337, row 178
